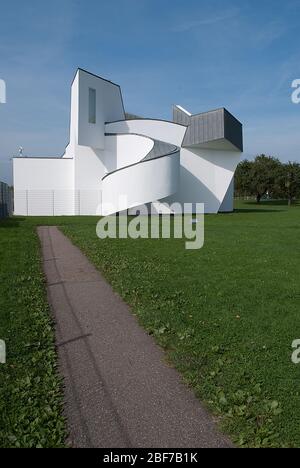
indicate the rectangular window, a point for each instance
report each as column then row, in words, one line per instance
column 92, row 106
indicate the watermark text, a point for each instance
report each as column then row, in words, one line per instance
column 2, row 352
column 296, row 352
column 2, row 92
column 174, row 221
column 296, row 92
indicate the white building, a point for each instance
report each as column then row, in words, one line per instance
column 116, row 161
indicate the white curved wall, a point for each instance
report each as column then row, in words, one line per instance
column 140, row 184
column 123, row 150
column 157, row 129
column 205, row 176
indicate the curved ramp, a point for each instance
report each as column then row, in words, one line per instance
column 161, row 130
column 154, row 177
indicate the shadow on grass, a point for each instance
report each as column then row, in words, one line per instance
column 35, row 221
column 268, row 203
column 258, row 210
column 265, row 206
column 6, row 223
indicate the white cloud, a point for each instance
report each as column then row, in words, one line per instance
column 205, row 21
column 268, row 33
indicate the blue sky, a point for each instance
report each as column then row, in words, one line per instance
column 201, row 54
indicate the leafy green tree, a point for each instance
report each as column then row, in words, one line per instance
column 267, row 175
column 242, row 179
column 289, row 184
column 264, row 175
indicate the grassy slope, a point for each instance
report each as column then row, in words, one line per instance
column 30, row 394
column 226, row 314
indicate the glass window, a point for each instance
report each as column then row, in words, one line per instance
column 92, row 106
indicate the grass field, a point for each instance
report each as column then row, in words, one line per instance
column 226, row 314
column 30, row 391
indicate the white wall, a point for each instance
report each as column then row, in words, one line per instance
column 43, row 173
column 140, row 184
column 123, row 150
column 41, row 184
column 205, row 176
column 88, row 202
column 74, row 118
column 228, row 202
column 87, row 141
column 89, row 168
column 157, row 129
column 108, row 107
column 75, row 186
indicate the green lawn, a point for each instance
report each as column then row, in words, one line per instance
column 226, row 314
column 30, row 391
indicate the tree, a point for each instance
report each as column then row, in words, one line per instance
column 267, row 175
column 290, row 181
column 264, row 175
column 242, row 179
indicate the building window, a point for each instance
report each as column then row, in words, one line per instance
column 92, row 106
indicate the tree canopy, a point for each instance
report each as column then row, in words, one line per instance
column 267, row 176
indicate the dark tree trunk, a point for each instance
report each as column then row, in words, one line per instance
column 258, row 198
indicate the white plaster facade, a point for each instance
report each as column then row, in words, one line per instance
column 115, row 162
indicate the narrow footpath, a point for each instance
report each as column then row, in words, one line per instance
column 119, row 391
